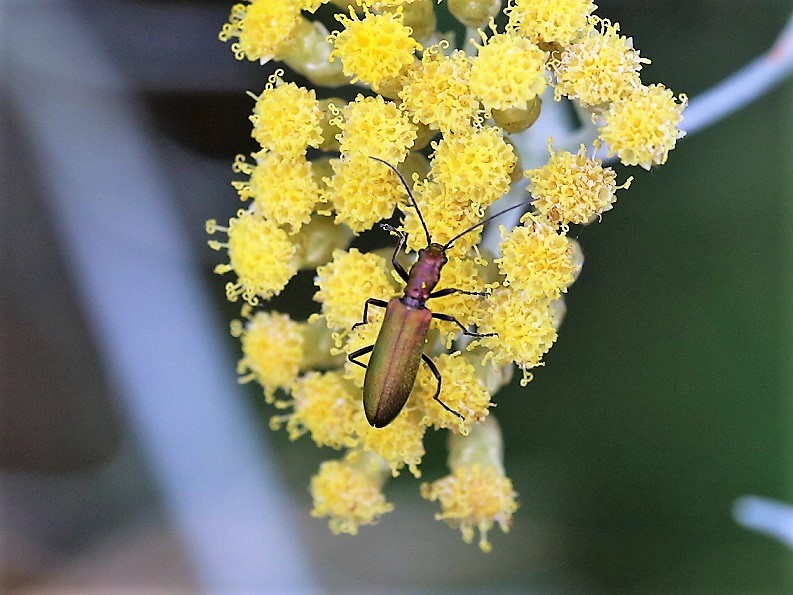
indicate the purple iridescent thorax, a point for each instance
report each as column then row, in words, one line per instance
column 424, row 275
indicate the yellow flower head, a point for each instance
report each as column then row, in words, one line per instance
column 261, row 254
column 476, row 165
column 549, row 21
column 460, row 273
column 262, row 27
column 349, row 491
column 400, row 443
column 325, row 405
column 642, row 128
column 445, row 214
column 363, row 191
column 272, row 351
column 373, row 127
column 573, row 188
column 599, row 68
column 346, row 282
column 437, row 92
column 374, row 49
column 286, row 118
column 461, row 390
column 283, row 189
column 536, row 259
column 508, row 71
column 525, row 327
column 474, row 497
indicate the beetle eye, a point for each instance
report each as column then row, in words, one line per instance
column 445, row 259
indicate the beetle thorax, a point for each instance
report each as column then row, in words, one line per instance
column 424, row 275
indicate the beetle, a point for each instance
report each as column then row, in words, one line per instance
column 398, row 350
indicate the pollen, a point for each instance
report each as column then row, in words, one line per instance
column 362, row 191
column 446, row 215
column 283, row 189
column 262, row 27
column 346, row 282
column 437, row 92
column 475, row 164
column 400, row 443
column 599, row 68
column 323, row 404
column 373, row 127
column 537, row 260
column 474, row 497
column 373, row 49
column 573, row 187
column 350, row 492
column 272, row 350
column 549, row 21
column 642, row 128
column 508, row 71
column 286, row 118
column 461, row 390
column 525, row 328
column 260, row 253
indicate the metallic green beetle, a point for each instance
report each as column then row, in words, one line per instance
column 398, row 349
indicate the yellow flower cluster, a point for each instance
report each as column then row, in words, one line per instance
column 438, row 91
column 477, row 495
column 374, row 49
column 573, row 187
column 349, row 491
column 641, row 128
column 433, row 135
column 599, row 68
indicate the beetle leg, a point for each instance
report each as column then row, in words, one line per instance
column 395, row 263
column 359, row 353
column 434, row 369
column 369, row 302
column 453, row 290
column 449, row 318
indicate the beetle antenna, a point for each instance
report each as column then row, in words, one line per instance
column 410, row 194
column 480, row 224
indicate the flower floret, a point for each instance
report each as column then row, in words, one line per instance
column 283, row 188
column 536, row 259
column 549, row 21
column 573, row 187
column 525, row 328
column 475, row 164
column 262, row 27
column 474, row 497
column 508, row 72
column 260, row 253
column 346, row 282
column 349, row 491
column 286, row 118
column 599, row 68
column 375, row 48
column 272, row 350
column 642, row 128
column 363, row 191
column 461, row 390
column 373, row 127
column 437, row 92
column 325, row 405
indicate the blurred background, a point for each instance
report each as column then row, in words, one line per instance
column 130, row 460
